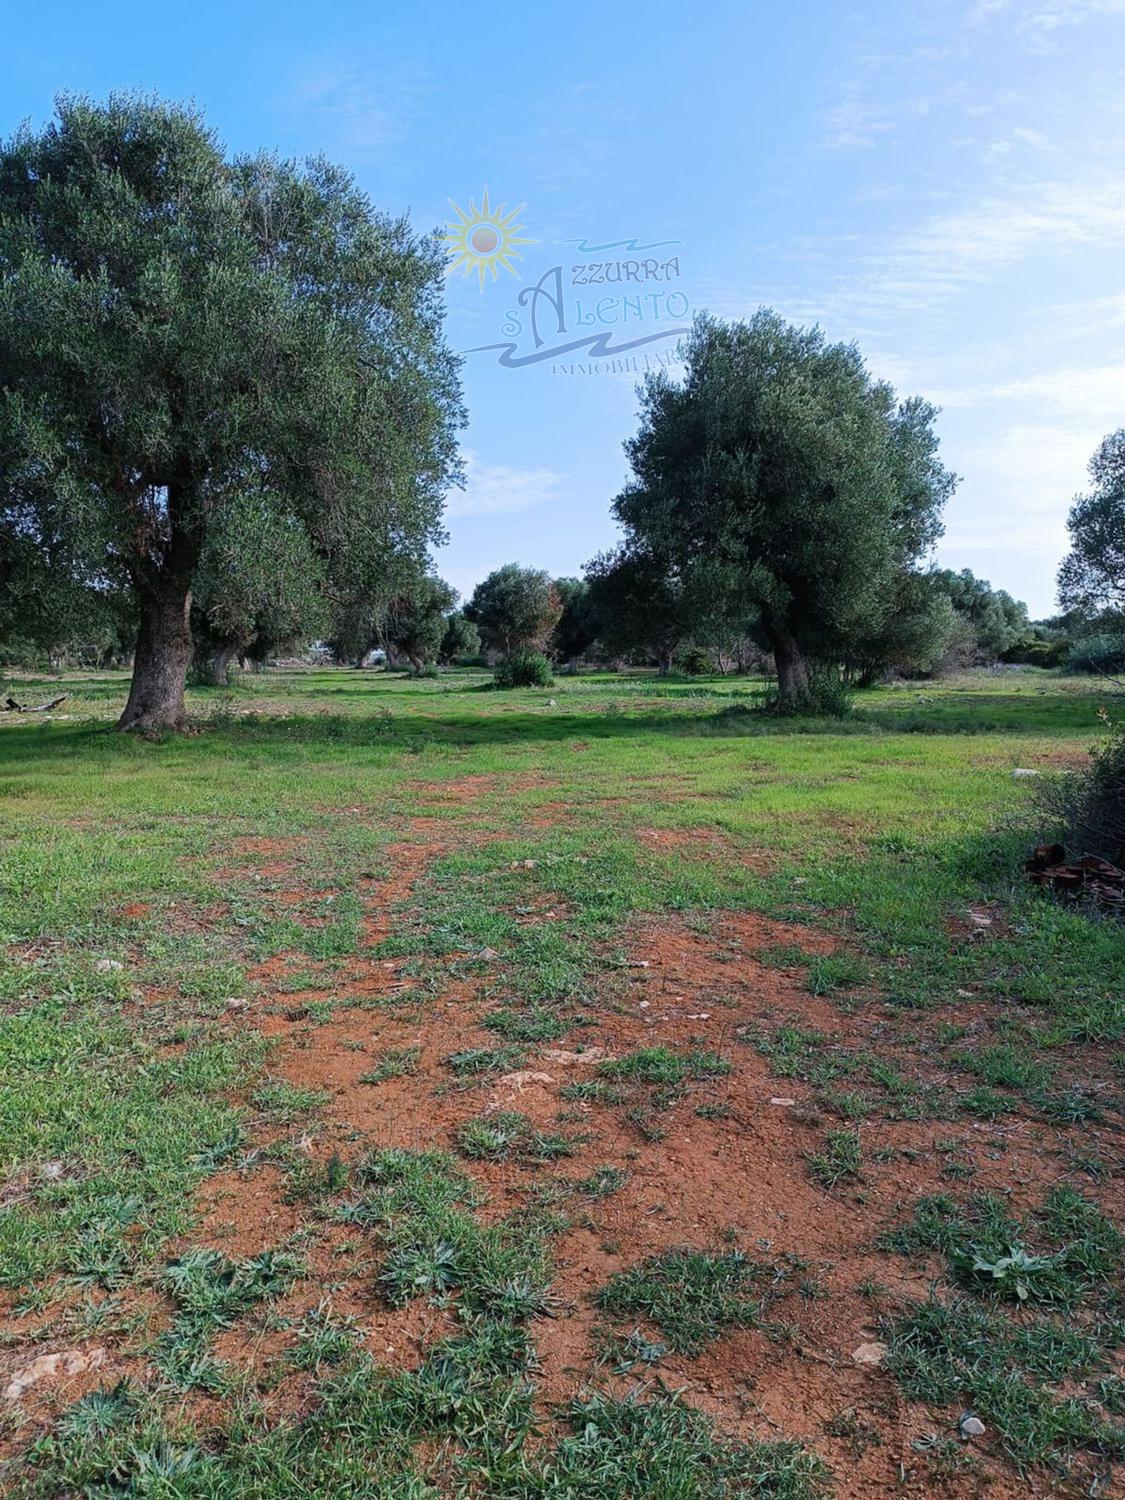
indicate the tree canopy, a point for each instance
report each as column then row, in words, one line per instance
column 643, row 604
column 577, row 628
column 515, row 609
column 416, row 623
column 1092, row 575
column 800, row 481
column 183, row 334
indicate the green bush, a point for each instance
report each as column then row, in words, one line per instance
column 828, row 697
column 1038, row 653
column 1090, row 804
column 523, row 669
column 694, row 662
column 1097, row 653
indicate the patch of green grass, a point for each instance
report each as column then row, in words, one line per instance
column 1060, row 1253
column 531, row 1025
column 105, row 1129
column 1060, row 1266
column 1005, row 1066
column 965, row 1356
column 484, row 1060
column 661, row 1066
column 285, row 1102
column 323, row 1338
column 840, row 1156
column 603, row 1182
column 506, row 1133
column 395, row 1062
column 591, row 1091
column 437, row 1247
column 210, row 1293
column 692, row 1296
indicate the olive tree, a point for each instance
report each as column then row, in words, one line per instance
column 415, row 622
column 180, row 331
column 1092, row 575
column 515, row 609
column 779, row 462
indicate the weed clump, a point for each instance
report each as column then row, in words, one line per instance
column 523, row 669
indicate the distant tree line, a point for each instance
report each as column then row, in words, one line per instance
column 228, row 422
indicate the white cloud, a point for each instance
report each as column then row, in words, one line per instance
column 356, row 111
column 1017, row 489
column 1096, row 393
column 1039, row 21
column 924, row 266
column 499, row 490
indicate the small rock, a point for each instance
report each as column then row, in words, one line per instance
column 519, row 1081
column 869, row 1354
column 570, row 1059
column 786, row 1104
column 970, row 1426
column 108, row 966
column 52, row 1366
column 235, row 1002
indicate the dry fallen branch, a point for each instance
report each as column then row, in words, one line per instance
column 34, row 708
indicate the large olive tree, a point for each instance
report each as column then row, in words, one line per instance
column 180, row 331
column 1092, row 575
column 800, row 483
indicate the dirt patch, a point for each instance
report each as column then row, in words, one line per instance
column 721, row 1161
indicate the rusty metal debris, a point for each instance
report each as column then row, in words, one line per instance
column 1087, row 879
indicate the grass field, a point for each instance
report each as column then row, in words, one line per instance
column 415, row 1090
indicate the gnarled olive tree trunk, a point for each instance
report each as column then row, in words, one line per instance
column 792, row 670
column 156, row 695
column 164, row 646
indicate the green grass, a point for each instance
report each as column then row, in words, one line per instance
column 496, row 1137
column 661, row 1066
column 1061, row 1266
column 142, row 884
column 692, row 1296
column 840, row 1156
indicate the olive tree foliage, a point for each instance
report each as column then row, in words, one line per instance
column 577, row 628
column 644, row 604
column 778, row 461
column 180, row 332
column 515, row 609
column 259, row 587
column 915, row 637
column 461, row 638
column 1092, row 575
column 414, row 623
column 56, row 614
column 996, row 620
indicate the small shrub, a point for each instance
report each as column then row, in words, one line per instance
column 523, row 669
column 694, row 662
column 1090, row 804
column 828, row 696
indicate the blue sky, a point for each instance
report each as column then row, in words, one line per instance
column 942, row 182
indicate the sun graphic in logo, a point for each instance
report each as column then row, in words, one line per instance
column 486, row 238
